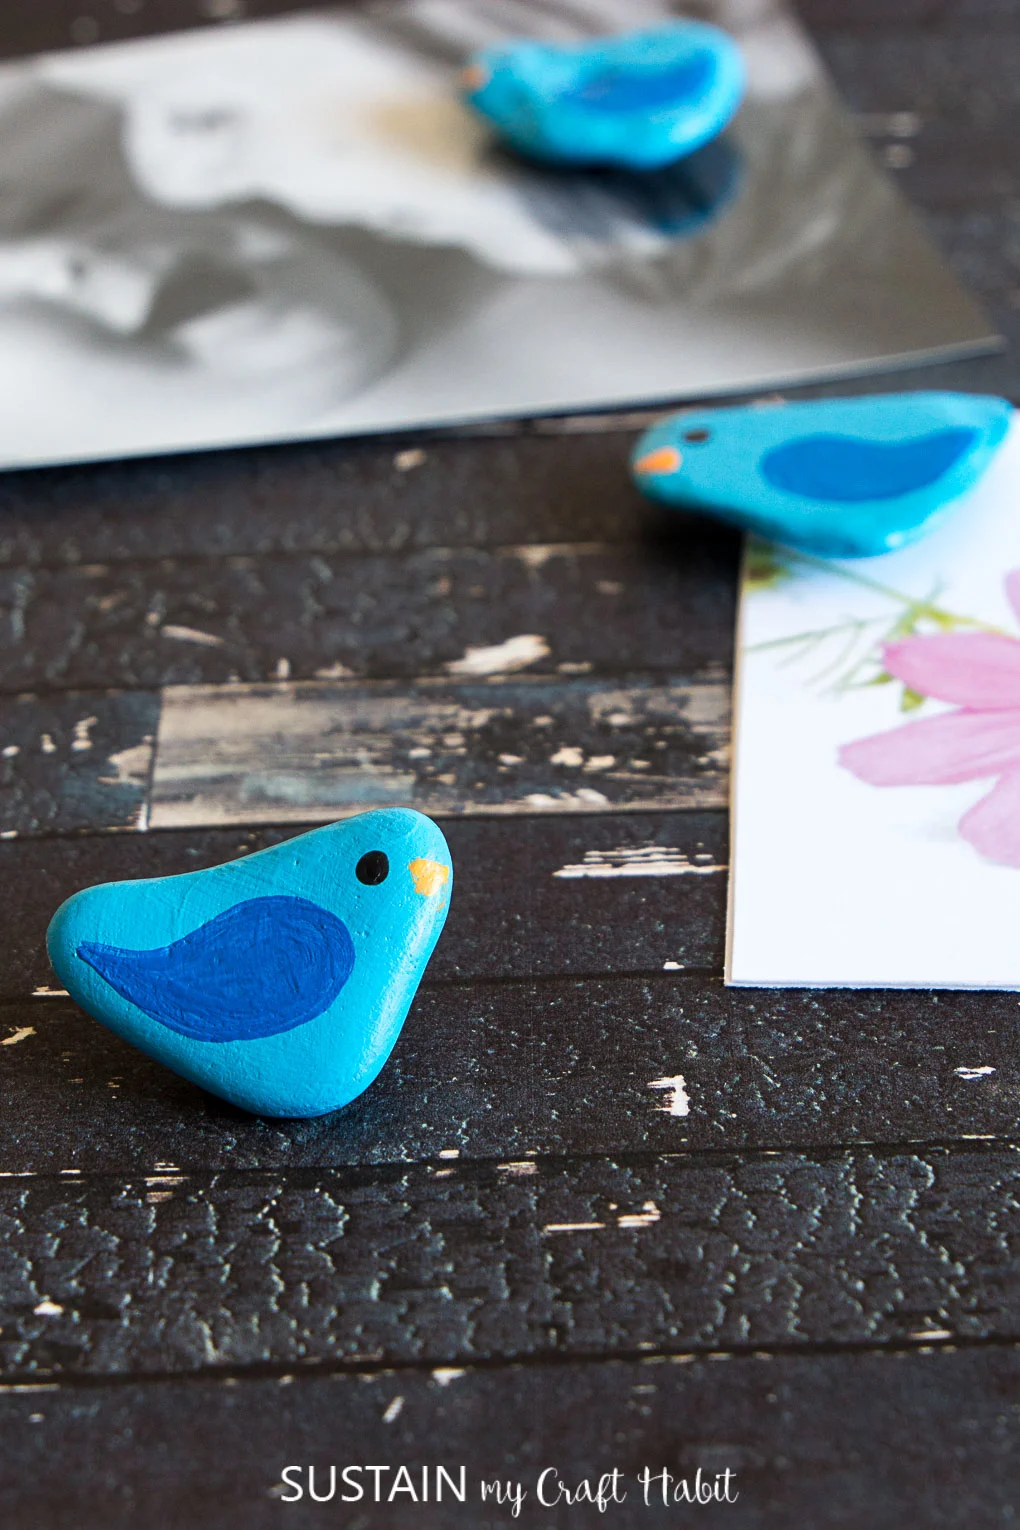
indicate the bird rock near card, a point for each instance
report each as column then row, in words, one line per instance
column 280, row 981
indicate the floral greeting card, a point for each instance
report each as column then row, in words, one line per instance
column 876, row 794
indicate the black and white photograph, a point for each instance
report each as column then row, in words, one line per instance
column 294, row 227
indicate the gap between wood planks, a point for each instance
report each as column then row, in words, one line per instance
column 452, row 1370
column 390, row 1171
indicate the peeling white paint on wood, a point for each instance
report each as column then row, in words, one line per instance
column 501, row 658
column 676, row 1101
column 131, row 766
column 646, row 1217
column 21, row 1034
column 444, row 1374
column 81, row 740
column 313, row 751
column 336, row 671
column 191, row 635
column 572, row 1227
column 536, row 555
column 974, row 1073
column 640, row 861
column 394, row 1410
column 584, row 798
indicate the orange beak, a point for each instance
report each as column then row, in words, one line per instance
column 429, row 876
column 474, row 77
column 664, row 459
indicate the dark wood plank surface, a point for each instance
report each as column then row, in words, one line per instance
column 597, row 1211
column 843, row 1439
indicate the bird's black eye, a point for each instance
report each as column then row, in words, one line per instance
column 697, row 436
column 373, row 868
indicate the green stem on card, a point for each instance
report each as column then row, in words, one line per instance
column 919, row 608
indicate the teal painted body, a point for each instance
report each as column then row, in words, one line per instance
column 301, row 968
column 842, row 478
column 642, row 99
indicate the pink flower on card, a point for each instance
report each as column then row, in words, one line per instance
column 980, row 673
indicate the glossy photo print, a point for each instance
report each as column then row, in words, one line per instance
column 876, row 795
column 301, row 227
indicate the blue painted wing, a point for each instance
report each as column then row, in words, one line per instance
column 617, row 89
column 847, row 470
column 260, row 968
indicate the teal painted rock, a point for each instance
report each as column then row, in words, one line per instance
column 279, row 982
column 843, row 478
column 641, row 99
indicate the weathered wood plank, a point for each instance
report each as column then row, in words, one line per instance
column 672, row 1063
column 329, row 498
column 834, row 1442
column 76, row 761
column 30, row 26
column 878, row 18
column 299, row 617
column 301, row 753
column 534, row 898
column 312, row 752
column 454, row 1263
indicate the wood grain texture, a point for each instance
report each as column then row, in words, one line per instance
column 76, row 761
column 454, row 1263
column 314, row 752
column 514, row 914
column 31, row 26
column 560, row 1066
column 376, row 617
column 834, row 1442
column 878, row 18
column 339, row 497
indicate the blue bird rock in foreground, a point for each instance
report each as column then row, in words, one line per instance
column 641, row 99
column 843, row 478
column 279, row 982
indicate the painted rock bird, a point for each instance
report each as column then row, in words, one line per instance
column 843, row 478
column 641, row 99
column 279, row 981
